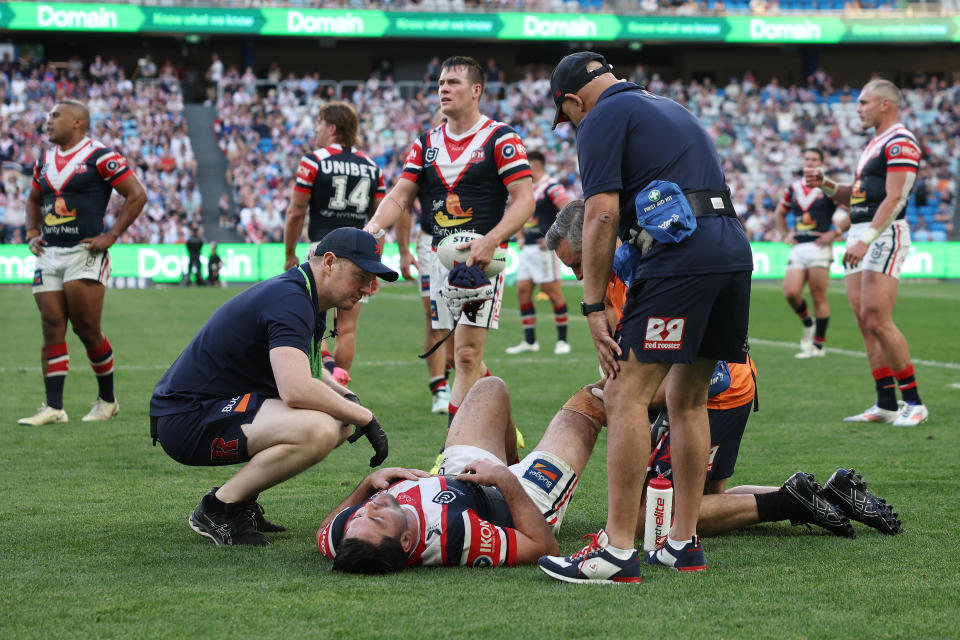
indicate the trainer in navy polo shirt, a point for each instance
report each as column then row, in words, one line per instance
column 231, row 353
column 632, row 137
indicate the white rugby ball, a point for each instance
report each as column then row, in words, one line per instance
column 450, row 256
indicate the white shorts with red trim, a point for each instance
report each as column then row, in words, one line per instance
column 489, row 315
column 887, row 253
column 810, row 255
column 538, row 265
column 545, row 477
column 57, row 265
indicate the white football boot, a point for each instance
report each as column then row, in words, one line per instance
column 911, row 415
column 46, row 415
column 102, row 410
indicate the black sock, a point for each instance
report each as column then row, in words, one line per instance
column 820, row 335
column 804, row 313
column 776, row 506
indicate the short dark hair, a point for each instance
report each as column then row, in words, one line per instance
column 816, row 151
column 359, row 556
column 536, row 155
column 475, row 72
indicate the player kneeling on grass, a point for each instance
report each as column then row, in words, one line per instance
column 246, row 387
column 478, row 512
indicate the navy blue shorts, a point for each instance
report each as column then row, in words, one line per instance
column 212, row 434
column 726, row 432
column 681, row 318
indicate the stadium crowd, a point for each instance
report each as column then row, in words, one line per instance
column 265, row 124
column 759, row 129
column 142, row 116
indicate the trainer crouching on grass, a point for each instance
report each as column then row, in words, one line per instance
column 245, row 388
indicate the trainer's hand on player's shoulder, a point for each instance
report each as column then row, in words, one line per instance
column 482, row 471
column 383, row 478
column 607, row 348
column 373, row 432
column 291, row 261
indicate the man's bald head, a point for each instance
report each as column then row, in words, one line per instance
column 885, row 90
column 77, row 110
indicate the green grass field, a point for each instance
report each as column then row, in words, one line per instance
column 94, row 541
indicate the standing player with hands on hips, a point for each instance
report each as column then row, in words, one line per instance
column 72, row 184
column 463, row 171
column 651, row 176
column 877, row 245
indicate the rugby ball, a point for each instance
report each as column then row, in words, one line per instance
column 450, row 255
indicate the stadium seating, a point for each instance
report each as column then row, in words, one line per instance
column 760, row 132
column 142, row 120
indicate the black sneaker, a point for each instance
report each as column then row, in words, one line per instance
column 806, row 493
column 230, row 526
column 260, row 523
column 847, row 490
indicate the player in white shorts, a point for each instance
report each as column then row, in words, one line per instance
column 57, row 265
column 884, row 255
column 73, row 181
column 876, row 248
column 539, row 266
column 811, row 239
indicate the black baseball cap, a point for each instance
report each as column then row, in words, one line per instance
column 359, row 247
column 571, row 75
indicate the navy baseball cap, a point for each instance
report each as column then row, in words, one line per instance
column 359, row 247
column 571, row 75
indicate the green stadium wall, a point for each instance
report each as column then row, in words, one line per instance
column 164, row 263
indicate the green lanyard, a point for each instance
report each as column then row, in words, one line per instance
column 316, row 367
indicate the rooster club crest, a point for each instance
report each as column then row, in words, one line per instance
column 431, row 154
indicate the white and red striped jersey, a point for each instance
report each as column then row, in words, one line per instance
column 463, row 178
column 76, row 186
column 812, row 210
column 452, row 532
column 895, row 149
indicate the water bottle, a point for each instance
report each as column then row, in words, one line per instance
column 659, row 512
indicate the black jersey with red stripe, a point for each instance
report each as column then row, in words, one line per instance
column 75, row 186
column 453, row 530
column 342, row 183
column 896, row 149
column 549, row 196
column 463, row 179
column 812, row 210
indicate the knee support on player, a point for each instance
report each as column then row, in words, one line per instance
column 587, row 405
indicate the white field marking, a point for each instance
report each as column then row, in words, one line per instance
column 848, row 352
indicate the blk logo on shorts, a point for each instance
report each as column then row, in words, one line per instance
column 664, row 334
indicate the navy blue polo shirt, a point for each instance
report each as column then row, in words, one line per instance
column 632, row 137
column 230, row 355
